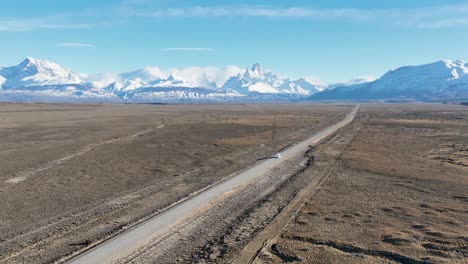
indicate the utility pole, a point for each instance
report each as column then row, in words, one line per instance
column 273, row 134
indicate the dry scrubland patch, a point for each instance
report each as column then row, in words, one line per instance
column 153, row 156
column 392, row 200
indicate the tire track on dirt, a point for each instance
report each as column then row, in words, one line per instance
column 22, row 176
column 127, row 200
column 269, row 234
column 357, row 250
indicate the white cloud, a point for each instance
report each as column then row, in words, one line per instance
column 430, row 17
column 187, row 49
column 102, row 80
column 147, row 74
column 443, row 23
column 427, row 17
column 368, row 78
column 40, row 23
column 205, row 76
column 74, row 44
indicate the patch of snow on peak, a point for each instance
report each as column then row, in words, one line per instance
column 262, row 88
column 352, row 82
column 2, row 80
column 454, row 64
column 124, row 85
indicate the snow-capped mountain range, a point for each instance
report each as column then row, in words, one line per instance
column 255, row 81
column 440, row 80
column 41, row 80
column 252, row 82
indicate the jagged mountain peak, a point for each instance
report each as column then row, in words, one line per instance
column 171, row 78
column 28, row 60
column 254, row 80
column 256, row 68
column 254, row 72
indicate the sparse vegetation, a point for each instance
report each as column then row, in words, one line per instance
column 399, row 194
column 125, row 162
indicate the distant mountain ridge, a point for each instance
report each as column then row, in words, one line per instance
column 42, row 80
column 441, row 80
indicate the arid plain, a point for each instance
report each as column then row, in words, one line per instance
column 71, row 175
column 399, row 193
column 389, row 188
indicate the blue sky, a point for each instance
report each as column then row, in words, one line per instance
column 331, row 40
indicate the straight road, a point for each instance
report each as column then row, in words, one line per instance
column 142, row 234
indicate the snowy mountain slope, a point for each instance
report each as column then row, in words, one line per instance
column 438, row 80
column 34, row 72
column 58, row 93
column 255, row 81
column 124, row 86
column 173, row 81
column 263, row 88
column 2, row 80
column 172, row 94
column 300, row 86
column 351, row 82
column 428, row 77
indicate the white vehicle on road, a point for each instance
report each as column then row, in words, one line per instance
column 276, row 156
